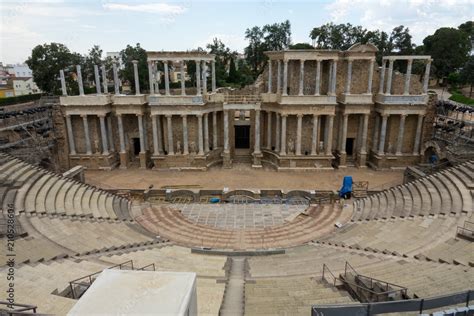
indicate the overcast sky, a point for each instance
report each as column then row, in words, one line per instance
column 181, row 25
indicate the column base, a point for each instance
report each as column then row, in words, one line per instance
column 226, row 160
column 143, row 160
column 257, row 160
column 123, row 160
column 362, row 160
column 342, row 159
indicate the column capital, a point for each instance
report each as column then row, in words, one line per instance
column 135, row 61
column 284, row 115
column 384, row 115
column 167, row 115
column 69, row 115
column 83, row 116
column 199, row 115
column 150, row 62
column 165, row 62
column 299, row 115
column 403, row 115
column 139, row 115
column 182, row 115
column 102, row 115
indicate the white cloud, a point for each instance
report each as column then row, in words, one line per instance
column 160, row 8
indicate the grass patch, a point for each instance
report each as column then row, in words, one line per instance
column 459, row 97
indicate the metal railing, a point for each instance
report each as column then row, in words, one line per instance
column 410, row 305
column 368, row 284
column 145, row 268
column 17, row 308
column 334, row 279
column 466, row 231
column 86, row 281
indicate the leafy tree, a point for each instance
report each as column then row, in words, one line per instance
column 234, row 75
column 275, row 36
column 449, row 47
column 93, row 58
column 47, row 60
column 467, row 74
column 301, row 46
column 191, row 67
column 129, row 54
column 224, row 57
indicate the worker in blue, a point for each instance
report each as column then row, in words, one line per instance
column 346, row 190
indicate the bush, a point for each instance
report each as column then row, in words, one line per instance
column 459, row 97
column 19, row 99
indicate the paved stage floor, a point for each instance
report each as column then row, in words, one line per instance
column 239, row 177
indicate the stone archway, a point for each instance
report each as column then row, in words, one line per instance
column 432, row 147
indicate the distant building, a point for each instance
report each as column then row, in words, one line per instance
column 23, row 85
column 19, row 70
column 6, row 91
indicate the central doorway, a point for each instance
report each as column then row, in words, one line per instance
column 242, row 136
column 350, row 146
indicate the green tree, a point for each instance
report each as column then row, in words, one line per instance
column 94, row 57
column 223, row 59
column 301, row 46
column 129, row 54
column 234, row 75
column 449, row 47
column 467, row 74
column 47, row 60
column 275, row 36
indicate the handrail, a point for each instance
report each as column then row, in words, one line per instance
column 325, row 267
column 148, row 265
column 23, row 307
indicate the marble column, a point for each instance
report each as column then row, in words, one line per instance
column 269, row 130
column 419, row 126
column 299, row 126
column 269, row 76
column 141, row 133
column 167, row 78
column 401, row 133
column 87, row 135
column 200, row 140
column 375, row 138
column 314, row 136
column 198, row 77
column 383, row 133
column 278, row 76
column 150, row 77
column 371, row 76
column 317, row 88
column 159, row 134
column 63, row 82
column 349, row 77
column 213, row 70
column 388, row 89
column 301, row 86
column 204, row 77
column 283, row 135
column 103, row 133
column 170, row 134
column 226, row 132
column 330, row 128
column 79, row 80
column 154, row 127
column 206, row 132
column 334, row 77
column 342, row 147
column 137, row 80
column 70, row 135
column 285, row 77
column 104, row 79
column 382, row 76
column 365, row 128
column 110, row 133
column 97, row 79
column 183, row 79
column 121, row 135
column 406, row 89
column 214, row 130
column 257, row 132
column 426, row 78
column 185, row 135
column 116, row 79
column 277, row 132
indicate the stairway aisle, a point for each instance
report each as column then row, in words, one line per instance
column 233, row 303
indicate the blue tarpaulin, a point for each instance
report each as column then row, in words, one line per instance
column 346, row 186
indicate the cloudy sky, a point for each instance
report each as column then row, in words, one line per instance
column 181, row 25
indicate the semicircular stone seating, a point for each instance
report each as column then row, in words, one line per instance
column 449, row 191
column 33, row 190
column 171, row 224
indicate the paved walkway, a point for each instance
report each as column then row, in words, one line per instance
column 238, row 216
column 240, row 177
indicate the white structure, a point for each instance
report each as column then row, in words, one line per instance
column 20, row 70
column 24, row 85
column 132, row 292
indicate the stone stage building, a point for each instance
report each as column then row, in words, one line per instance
column 313, row 109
